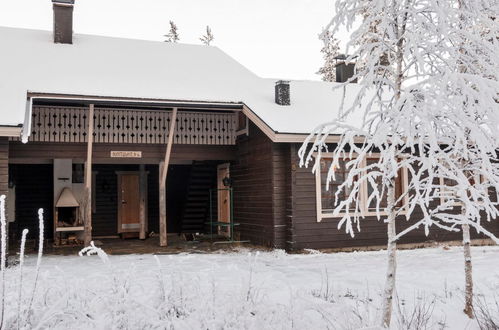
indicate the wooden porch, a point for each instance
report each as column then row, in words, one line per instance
column 94, row 135
column 116, row 246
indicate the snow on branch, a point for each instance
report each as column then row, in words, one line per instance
column 94, row 250
column 427, row 103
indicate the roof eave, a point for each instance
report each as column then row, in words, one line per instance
column 10, row 131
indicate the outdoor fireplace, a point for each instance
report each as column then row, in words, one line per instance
column 67, row 218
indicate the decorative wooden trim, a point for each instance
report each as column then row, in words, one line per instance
column 132, row 126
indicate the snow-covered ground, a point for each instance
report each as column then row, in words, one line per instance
column 248, row 290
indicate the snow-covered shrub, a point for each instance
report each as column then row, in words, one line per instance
column 486, row 312
column 18, row 315
column 418, row 314
column 326, row 291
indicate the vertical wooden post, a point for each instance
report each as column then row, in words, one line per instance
column 88, row 179
column 162, row 208
column 163, row 171
column 142, row 193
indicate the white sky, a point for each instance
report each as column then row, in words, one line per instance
column 273, row 38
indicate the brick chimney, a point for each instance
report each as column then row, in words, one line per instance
column 282, row 96
column 344, row 70
column 63, row 21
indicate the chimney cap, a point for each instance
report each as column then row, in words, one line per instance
column 282, row 82
column 64, row 2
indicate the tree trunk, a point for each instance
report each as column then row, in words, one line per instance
column 468, row 274
column 392, row 259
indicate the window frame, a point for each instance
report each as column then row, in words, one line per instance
column 363, row 192
column 446, row 194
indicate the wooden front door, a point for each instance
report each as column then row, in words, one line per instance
column 223, row 198
column 128, row 202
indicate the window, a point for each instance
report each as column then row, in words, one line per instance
column 448, row 194
column 326, row 195
column 78, row 173
column 399, row 188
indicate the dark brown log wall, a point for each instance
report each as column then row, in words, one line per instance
column 259, row 181
column 306, row 232
column 34, row 190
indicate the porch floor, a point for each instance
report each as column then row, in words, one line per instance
column 117, row 246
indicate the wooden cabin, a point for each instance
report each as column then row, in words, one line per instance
column 153, row 137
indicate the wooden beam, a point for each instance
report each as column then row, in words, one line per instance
column 163, row 171
column 171, row 132
column 88, row 179
column 162, row 208
column 142, row 193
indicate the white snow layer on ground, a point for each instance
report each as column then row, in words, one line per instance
column 248, row 290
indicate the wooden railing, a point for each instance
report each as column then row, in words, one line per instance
column 69, row 124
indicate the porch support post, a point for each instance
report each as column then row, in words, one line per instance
column 88, row 179
column 163, row 171
column 142, row 193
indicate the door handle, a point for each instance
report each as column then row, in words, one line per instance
column 123, row 202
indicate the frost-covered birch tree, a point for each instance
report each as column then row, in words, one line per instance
column 425, row 105
column 330, row 50
column 172, row 35
column 469, row 85
column 208, row 37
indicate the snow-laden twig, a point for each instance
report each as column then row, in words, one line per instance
column 38, row 259
column 21, row 263
column 94, row 250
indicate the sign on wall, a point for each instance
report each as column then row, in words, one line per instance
column 126, row 154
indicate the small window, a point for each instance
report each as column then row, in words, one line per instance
column 78, row 173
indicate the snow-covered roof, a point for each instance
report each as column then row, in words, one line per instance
column 116, row 67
